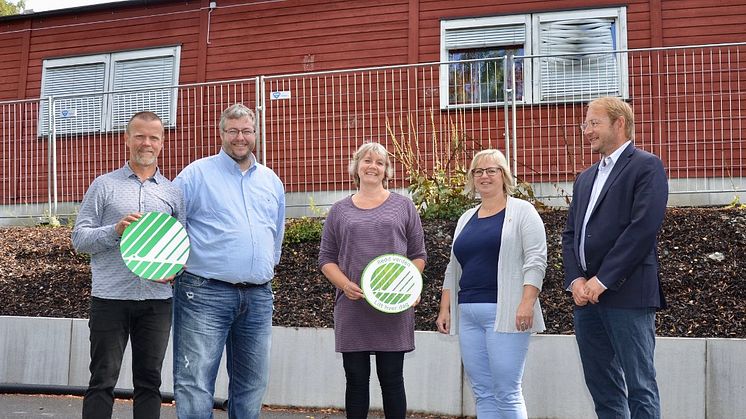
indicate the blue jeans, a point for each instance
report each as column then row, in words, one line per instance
column 616, row 348
column 210, row 315
column 493, row 362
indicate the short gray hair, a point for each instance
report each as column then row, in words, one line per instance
column 502, row 163
column 145, row 116
column 377, row 149
column 236, row 111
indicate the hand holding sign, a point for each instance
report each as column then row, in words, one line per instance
column 391, row 283
column 155, row 246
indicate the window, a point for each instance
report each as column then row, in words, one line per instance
column 560, row 56
column 480, row 45
column 137, row 80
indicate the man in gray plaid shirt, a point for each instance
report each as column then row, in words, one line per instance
column 124, row 306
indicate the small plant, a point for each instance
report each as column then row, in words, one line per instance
column 304, row 229
column 525, row 191
column 50, row 220
column 438, row 189
column 69, row 221
column 736, row 203
column 318, row 212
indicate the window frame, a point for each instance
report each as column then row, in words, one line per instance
column 620, row 41
column 532, row 46
column 474, row 23
column 109, row 72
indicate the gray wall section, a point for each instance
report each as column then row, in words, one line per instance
column 726, row 378
column 698, row 378
column 34, row 350
column 684, row 192
column 553, row 372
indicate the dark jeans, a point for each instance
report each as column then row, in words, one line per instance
column 389, row 366
column 616, row 349
column 147, row 324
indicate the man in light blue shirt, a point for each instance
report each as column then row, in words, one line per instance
column 235, row 210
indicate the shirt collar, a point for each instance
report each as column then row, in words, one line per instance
column 615, row 155
column 228, row 162
column 128, row 172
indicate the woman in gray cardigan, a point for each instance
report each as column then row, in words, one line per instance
column 491, row 287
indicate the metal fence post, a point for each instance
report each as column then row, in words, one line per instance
column 52, row 163
column 509, row 108
column 260, row 108
column 513, row 115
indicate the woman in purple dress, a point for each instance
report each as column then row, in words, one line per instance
column 372, row 222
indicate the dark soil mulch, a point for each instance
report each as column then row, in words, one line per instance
column 701, row 255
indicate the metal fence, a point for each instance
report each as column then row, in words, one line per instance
column 689, row 102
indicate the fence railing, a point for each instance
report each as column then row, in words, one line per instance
column 689, row 102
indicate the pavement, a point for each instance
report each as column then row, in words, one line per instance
column 17, row 406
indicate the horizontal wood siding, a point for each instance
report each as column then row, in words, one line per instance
column 703, row 21
column 11, row 45
column 300, row 36
column 119, row 30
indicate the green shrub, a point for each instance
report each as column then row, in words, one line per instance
column 440, row 195
column 437, row 190
column 304, row 229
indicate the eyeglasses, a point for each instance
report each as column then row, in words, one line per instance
column 491, row 171
column 593, row 123
column 233, row 133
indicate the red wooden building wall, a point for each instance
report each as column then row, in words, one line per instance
column 241, row 39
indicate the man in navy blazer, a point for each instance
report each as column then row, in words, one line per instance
column 611, row 267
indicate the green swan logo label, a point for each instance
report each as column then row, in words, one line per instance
column 391, row 283
column 156, row 246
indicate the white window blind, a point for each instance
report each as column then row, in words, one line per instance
column 487, row 36
column 142, row 79
column 151, row 74
column 78, row 113
column 570, row 55
column 590, row 69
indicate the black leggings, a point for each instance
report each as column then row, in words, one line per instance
column 389, row 366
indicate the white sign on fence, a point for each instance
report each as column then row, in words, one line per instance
column 280, row 95
column 69, row 113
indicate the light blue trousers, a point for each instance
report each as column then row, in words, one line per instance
column 493, row 362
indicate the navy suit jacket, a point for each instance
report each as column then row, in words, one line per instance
column 621, row 234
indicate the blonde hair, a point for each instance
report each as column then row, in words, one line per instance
column 362, row 151
column 502, row 163
column 616, row 108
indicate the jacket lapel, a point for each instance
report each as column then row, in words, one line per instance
column 623, row 161
column 585, row 186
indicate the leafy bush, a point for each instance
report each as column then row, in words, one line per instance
column 438, row 189
column 304, row 229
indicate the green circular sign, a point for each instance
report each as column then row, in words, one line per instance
column 391, row 283
column 156, row 246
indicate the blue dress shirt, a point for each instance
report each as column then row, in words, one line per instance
column 235, row 220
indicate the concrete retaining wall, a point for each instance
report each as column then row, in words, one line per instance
column 698, row 378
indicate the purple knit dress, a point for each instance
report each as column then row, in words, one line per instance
column 352, row 238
